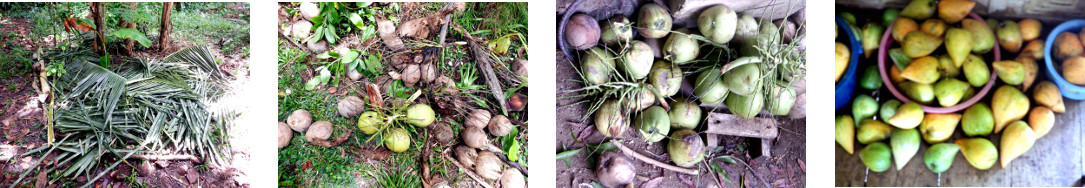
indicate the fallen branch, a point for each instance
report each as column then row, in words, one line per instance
column 192, row 158
column 469, row 172
column 501, row 155
column 486, row 67
column 294, row 43
column 649, row 160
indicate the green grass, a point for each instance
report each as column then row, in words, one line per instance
column 205, row 28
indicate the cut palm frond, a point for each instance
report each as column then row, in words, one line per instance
column 108, row 115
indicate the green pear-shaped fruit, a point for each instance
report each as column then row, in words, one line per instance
column 876, row 157
column 979, row 152
column 976, row 71
column 863, row 107
column 872, row 36
column 871, row 130
column 888, row 109
column 958, row 44
column 905, row 143
column 920, row 9
column 983, row 39
column 949, row 91
column 845, row 132
column 947, row 68
column 922, row 70
column 977, row 120
column 939, row 157
column 919, row 92
column 1009, row 36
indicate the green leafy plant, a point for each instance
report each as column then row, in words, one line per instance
column 133, row 34
column 339, row 18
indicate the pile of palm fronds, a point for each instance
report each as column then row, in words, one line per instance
column 140, row 107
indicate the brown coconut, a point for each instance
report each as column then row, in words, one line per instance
column 512, row 178
column 488, row 166
column 466, row 155
column 475, row 138
column 321, row 130
column 285, row 134
column 351, row 106
column 499, row 125
column 299, row 120
column 411, row 75
column 478, row 118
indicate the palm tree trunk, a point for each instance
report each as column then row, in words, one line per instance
column 96, row 14
column 166, row 27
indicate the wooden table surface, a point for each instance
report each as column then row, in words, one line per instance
column 1054, row 160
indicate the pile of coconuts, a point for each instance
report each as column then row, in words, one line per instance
column 372, row 122
column 730, row 58
column 475, row 152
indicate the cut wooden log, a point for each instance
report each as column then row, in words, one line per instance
column 727, row 124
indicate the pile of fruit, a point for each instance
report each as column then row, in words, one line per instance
column 940, row 62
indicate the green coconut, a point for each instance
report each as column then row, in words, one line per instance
column 746, row 29
column 597, row 65
column 653, row 123
column 420, row 115
column 637, row 61
column 653, row 21
column 709, row 87
column 744, row 79
column 684, row 114
column 746, row 106
column 680, row 48
column 718, row 23
column 780, row 100
column 686, row 148
column 397, row 140
column 616, row 31
column 610, row 120
column 666, row 78
column 369, row 122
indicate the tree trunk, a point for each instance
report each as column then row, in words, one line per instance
column 99, row 26
column 129, row 43
column 166, row 27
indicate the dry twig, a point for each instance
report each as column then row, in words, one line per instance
column 649, row 160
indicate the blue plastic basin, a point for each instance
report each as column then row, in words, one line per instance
column 1069, row 90
column 846, row 86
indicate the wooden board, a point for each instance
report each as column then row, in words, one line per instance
column 727, row 124
column 1055, row 160
column 1049, row 11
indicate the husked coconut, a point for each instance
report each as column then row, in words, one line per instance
column 301, row 29
column 351, row 106
column 478, row 118
column 488, row 166
column 614, row 169
column 474, row 137
column 520, row 67
column 299, row 120
column 429, row 73
column 285, row 134
column 499, row 125
column 321, row 130
column 309, row 10
column 466, row 155
column 512, row 178
column 411, row 75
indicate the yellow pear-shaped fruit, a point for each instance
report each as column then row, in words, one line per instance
column 908, row 116
column 954, row 10
column 843, row 57
column 1033, row 49
column 1072, row 70
column 1008, row 105
column 1066, row 45
column 1041, row 120
column 947, row 67
column 902, row 27
column 1048, row 95
column 979, row 152
column 1030, row 29
column 845, row 132
column 936, row 128
column 922, row 70
column 1009, row 36
column 958, row 44
column 919, row 44
column 1017, row 139
column 871, row 130
column 920, row 9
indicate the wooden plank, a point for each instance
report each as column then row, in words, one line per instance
column 727, row 124
column 1054, row 160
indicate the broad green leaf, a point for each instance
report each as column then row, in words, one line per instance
column 317, row 20
column 129, row 33
column 514, row 150
column 357, row 20
column 329, row 35
column 720, row 170
column 727, row 159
